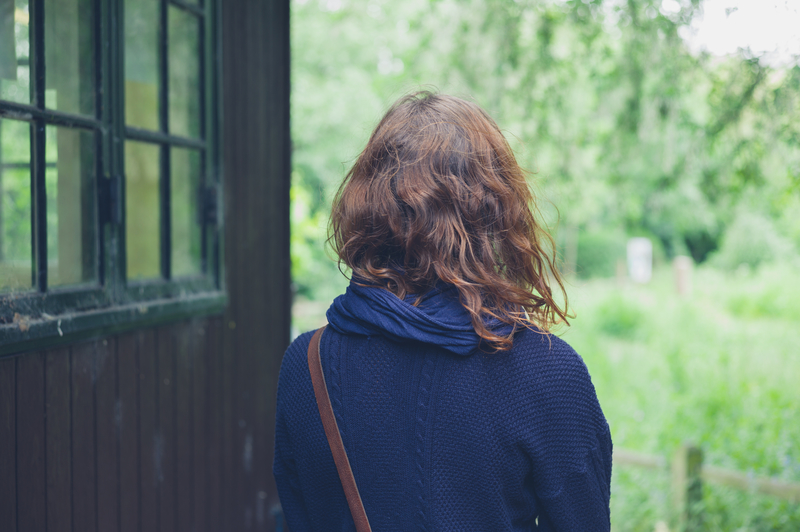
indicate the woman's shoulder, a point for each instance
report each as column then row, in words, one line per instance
column 550, row 386
column 548, row 364
column 295, row 360
column 545, row 350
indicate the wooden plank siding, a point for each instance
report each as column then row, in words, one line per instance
column 169, row 427
column 8, row 443
column 214, row 427
column 128, row 378
column 84, row 473
column 184, row 491
column 164, row 448
column 199, row 435
column 107, row 425
column 59, row 443
column 120, row 433
column 31, row 473
column 255, row 146
column 148, row 406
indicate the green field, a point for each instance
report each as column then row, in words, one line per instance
column 719, row 368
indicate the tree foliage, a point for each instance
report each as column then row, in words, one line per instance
column 624, row 130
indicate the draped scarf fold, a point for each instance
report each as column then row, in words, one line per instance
column 439, row 319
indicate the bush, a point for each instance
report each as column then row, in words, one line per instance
column 772, row 291
column 619, row 316
column 751, row 240
column 670, row 368
column 598, row 253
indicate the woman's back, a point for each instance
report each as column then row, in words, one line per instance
column 439, row 441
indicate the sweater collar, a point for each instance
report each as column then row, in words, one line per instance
column 439, row 319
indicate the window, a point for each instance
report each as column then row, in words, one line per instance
column 108, row 164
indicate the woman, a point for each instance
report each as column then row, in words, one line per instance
column 458, row 410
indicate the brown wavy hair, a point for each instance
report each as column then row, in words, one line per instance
column 437, row 195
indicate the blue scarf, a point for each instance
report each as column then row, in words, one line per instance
column 440, row 319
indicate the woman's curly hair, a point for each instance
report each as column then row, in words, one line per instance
column 437, row 195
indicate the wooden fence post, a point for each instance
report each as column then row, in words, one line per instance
column 687, row 492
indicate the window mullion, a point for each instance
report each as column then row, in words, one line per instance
column 39, row 210
column 165, row 157
column 112, row 114
column 210, row 135
column 204, row 189
column 38, row 163
column 104, row 50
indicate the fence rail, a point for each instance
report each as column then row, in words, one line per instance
column 768, row 486
column 688, row 473
column 637, row 459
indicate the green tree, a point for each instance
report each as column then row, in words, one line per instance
column 624, row 129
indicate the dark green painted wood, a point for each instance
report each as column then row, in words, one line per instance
column 158, row 137
column 188, row 6
column 165, row 168
column 31, row 305
column 95, row 311
column 44, row 332
column 38, row 163
column 22, row 111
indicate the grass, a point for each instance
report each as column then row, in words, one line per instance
column 719, row 368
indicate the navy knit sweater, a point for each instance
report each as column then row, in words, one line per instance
column 440, row 441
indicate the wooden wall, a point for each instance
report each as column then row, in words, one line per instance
column 171, row 428
column 256, row 154
column 125, row 433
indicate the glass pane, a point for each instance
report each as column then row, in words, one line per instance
column 69, row 55
column 142, row 210
column 141, row 63
column 16, row 264
column 71, row 213
column 184, row 73
column 184, row 197
column 14, row 50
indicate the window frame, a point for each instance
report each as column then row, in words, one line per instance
column 47, row 316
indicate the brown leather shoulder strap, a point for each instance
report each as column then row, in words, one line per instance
column 334, row 438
